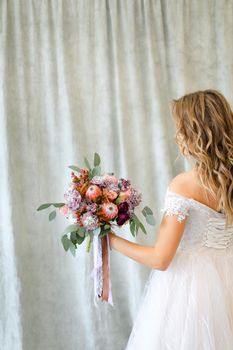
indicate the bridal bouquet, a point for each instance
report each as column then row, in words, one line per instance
column 95, row 202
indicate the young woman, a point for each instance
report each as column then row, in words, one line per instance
column 187, row 302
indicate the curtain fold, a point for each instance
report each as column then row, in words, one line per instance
column 78, row 77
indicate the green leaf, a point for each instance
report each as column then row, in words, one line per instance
column 71, row 228
column 44, row 206
column 107, row 226
column 137, row 227
column 105, row 229
column 80, row 239
column 66, row 242
column 104, row 232
column 132, row 227
column 81, row 231
column 58, row 205
column 73, row 237
column 52, row 215
column 87, row 163
column 75, row 168
column 142, row 228
column 96, row 171
column 147, row 211
column 138, row 223
column 96, row 159
column 72, row 248
column 150, row 219
column 136, row 219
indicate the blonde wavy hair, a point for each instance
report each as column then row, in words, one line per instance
column 204, row 132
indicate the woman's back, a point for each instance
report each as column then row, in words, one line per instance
column 205, row 226
column 191, row 187
column 190, row 304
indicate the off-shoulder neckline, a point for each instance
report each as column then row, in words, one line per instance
column 194, row 200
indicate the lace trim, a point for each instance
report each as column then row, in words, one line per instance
column 176, row 205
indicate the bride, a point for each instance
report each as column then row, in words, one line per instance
column 187, row 301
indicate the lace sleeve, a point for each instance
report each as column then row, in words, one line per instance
column 176, row 204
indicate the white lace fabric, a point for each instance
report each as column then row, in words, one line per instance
column 176, row 205
column 205, row 227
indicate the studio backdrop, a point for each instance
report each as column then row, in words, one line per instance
column 79, row 77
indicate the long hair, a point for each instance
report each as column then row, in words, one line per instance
column 204, row 131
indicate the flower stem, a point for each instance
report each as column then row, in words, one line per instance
column 89, row 240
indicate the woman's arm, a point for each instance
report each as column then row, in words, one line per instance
column 161, row 254
column 142, row 254
column 167, row 241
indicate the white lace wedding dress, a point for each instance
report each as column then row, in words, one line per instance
column 189, row 306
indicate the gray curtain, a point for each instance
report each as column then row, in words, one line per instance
column 79, row 77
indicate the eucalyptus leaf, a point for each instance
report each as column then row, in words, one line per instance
column 72, row 248
column 75, row 168
column 132, row 227
column 66, row 242
column 58, row 205
column 44, row 206
column 87, row 163
column 96, row 159
column 137, row 227
column 80, row 239
column 147, row 211
column 71, row 228
column 142, row 228
column 150, row 219
column 136, row 219
column 73, row 237
column 138, row 224
column 96, row 171
column 52, row 215
column 81, row 231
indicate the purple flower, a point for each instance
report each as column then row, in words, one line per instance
column 135, row 199
column 123, row 207
column 73, row 197
column 123, row 214
column 122, row 218
column 124, row 184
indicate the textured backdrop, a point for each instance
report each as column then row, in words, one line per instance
column 80, row 77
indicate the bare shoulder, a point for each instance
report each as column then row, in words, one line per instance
column 184, row 184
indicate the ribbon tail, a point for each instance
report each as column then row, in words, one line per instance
column 97, row 272
column 110, row 284
column 101, row 270
column 107, row 292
